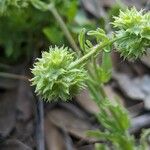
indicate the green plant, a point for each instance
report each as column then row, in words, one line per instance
column 132, row 29
column 30, row 21
column 136, row 27
column 27, row 24
column 53, row 76
column 7, row 5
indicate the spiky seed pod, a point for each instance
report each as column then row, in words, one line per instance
column 134, row 33
column 54, row 79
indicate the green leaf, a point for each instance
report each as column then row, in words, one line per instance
column 6, row 6
column 54, row 34
column 96, row 134
column 99, row 34
column 104, row 71
column 39, row 5
column 106, row 61
column 101, row 146
column 72, row 10
column 81, row 39
column 94, row 93
column 121, row 117
column 67, row 9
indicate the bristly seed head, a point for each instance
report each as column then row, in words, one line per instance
column 134, row 33
column 54, row 79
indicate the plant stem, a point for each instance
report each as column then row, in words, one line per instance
column 99, row 86
column 102, row 91
column 93, row 51
column 63, row 26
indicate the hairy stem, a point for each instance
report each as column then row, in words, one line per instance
column 99, row 86
column 92, row 52
column 63, row 26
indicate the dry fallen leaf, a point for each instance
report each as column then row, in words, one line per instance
column 113, row 96
column 24, row 132
column 74, row 109
column 135, row 88
column 14, row 145
column 95, row 7
column 86, row 102
column 70, row 122
column 25, row 105
column 55, row 140
column 7, row 112
column 128, row 86
column 140, row 122
column 90, row 106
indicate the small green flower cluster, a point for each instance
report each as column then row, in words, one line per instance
column 53, row 76
column 134, row 33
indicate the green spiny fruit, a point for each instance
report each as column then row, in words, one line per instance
column 53, row 77
column 134, row 33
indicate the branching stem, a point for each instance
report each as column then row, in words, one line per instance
column 93, row 51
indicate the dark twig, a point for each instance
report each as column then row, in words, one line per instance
column 39, row 131
column 40, row 125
